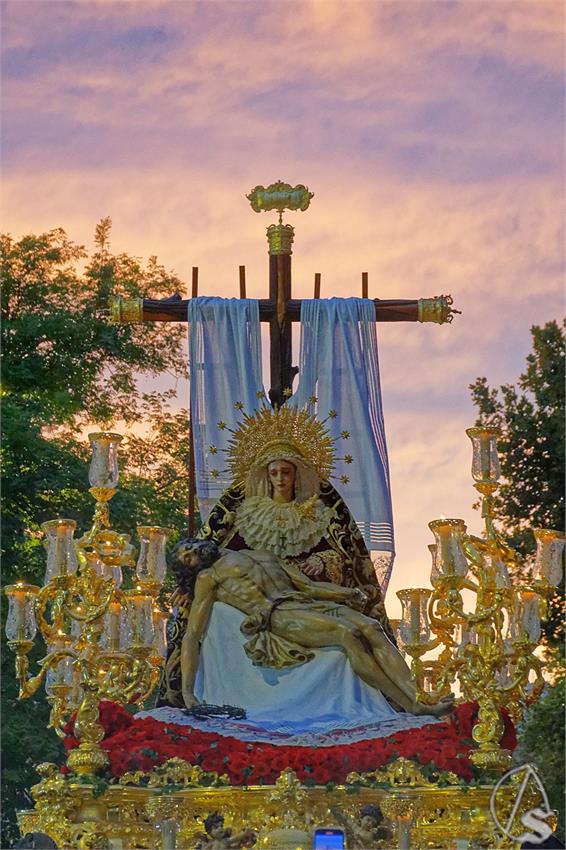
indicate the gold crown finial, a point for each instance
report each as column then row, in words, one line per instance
column 280, row 196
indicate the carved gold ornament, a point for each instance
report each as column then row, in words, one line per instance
column 283, row 815
column 125, row 310
column 280, row 196
column 438, row 309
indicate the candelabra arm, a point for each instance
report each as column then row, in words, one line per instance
column 418, row 649
column 60, row 711
column 54, row 592
column 443, row 683
column 30, row 685
column 526, row 663
column 153, row 680
column 484, row 613
column 92, row 613
column 144, row 678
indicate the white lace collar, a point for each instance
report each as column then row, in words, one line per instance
column 283, row 528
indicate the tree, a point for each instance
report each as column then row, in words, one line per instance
column 541, row 741
column 531, row 449
column 531, row 418
column 65, row 368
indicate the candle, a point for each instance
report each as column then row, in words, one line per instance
column 550, row 555
column 152, row 564
column 449, row 557
column 20, row 622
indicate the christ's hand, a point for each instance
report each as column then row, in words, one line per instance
column 357, row 599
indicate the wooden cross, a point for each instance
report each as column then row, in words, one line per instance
column 280, row 310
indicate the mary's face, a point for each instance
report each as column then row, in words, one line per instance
column 282, row 475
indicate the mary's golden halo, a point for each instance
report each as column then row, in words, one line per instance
column 293, row 429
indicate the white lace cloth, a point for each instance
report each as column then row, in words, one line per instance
column 285, row 734
column 320, row 703
column 282, row 528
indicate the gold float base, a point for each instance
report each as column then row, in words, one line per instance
column 127, row 817
column 492, row 760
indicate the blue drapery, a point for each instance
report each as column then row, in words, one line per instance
column 224, row 368
column 338, row 364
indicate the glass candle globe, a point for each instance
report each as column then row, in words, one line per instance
column 62, row 673
column 549, row 561
column 414, row 627
column 103, row 471
column 61, row 554
column 485, row 461
column 140, row 617
column 525, row 621
column 152, row 565
column 20, row 622
column 113, row 636
column 449, row 557
column 160, row 628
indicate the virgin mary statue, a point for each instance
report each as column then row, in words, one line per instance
column 281, row 501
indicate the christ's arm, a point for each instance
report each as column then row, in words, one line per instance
column 205, row 595
column 323, row 589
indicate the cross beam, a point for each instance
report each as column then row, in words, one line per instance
column 280, row 310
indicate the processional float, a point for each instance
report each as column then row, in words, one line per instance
column 107, row 643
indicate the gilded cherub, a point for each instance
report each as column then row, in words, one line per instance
column 217, row 837
column 365, row 830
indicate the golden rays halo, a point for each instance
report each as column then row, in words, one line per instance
column 285, row 429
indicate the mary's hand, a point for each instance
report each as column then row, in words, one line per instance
column 178, row 599
column 313, row 566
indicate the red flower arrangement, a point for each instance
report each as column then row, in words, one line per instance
column 147, row 743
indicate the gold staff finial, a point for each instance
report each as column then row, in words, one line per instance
column 280, row 196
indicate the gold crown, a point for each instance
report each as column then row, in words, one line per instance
column 287, row 430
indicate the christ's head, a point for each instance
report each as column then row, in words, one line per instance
column 190, row 557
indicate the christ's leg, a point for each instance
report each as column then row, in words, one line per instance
column 317, row 630
column 393, row 665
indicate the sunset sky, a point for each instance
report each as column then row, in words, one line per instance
column 432, row 134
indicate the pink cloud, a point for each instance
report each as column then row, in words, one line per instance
column 431, row 134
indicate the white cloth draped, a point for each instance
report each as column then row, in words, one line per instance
column 319, row 703
column 224, row 368
column 339, row 365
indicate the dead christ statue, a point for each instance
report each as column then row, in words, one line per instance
column 287, row 616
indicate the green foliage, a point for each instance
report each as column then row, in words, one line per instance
column 531, row 449
column 531, row 418
column 67, row 370
column 541, row 743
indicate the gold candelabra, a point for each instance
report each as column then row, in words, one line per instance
column 103, row 642
column 489, row 650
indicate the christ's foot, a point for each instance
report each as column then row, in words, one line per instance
column 439, row 709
